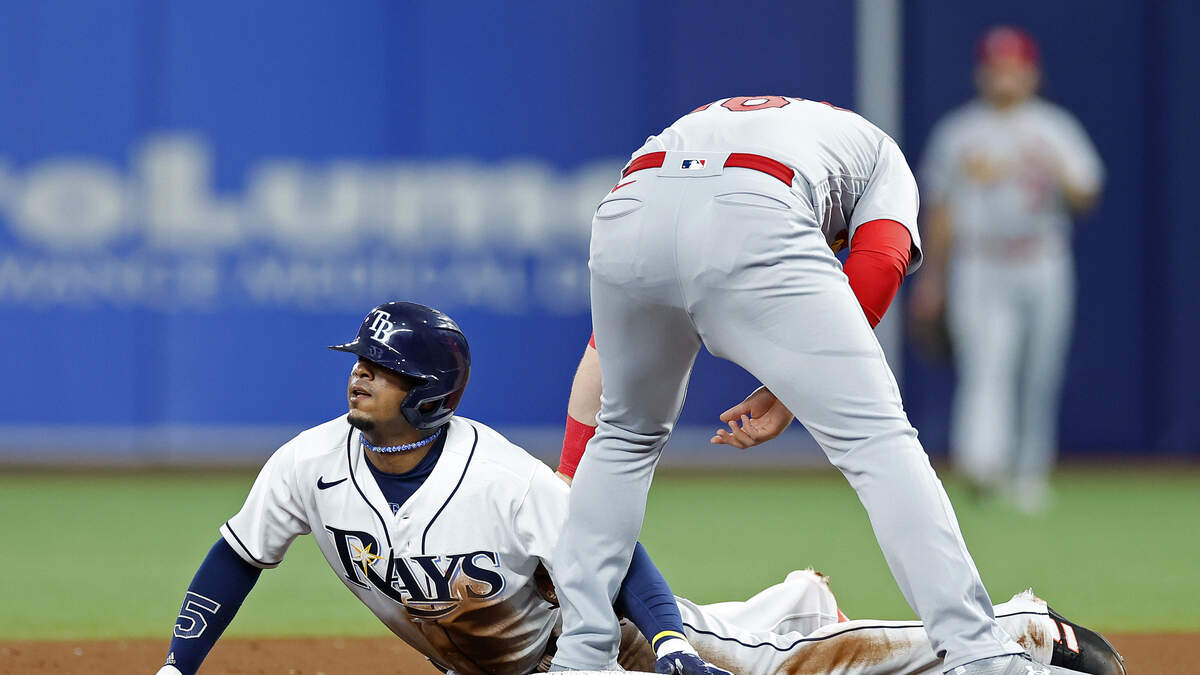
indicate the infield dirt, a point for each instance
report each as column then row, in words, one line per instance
column 1145, row 654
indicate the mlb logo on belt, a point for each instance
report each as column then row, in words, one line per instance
column 693, row 164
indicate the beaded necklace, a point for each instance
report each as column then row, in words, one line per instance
column 407, row 447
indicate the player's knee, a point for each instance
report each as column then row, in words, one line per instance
column 809, row 581
column 811, row 599
column 618, row 437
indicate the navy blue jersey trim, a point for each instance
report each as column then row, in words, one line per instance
column 453, row 492
column 350, row 466
column 246, row 548
column 914, row 624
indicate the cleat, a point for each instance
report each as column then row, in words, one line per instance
column 1084, row 650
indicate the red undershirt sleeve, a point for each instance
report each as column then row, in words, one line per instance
column 878, row 260
column 575, row 438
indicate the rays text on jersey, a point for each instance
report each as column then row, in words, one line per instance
column 429, row 586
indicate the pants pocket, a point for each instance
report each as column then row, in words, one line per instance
column 616, row 208
column 752, row 199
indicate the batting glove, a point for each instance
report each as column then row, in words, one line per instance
column 677, row 657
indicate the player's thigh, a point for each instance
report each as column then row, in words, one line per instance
column 800, row 330
column 644, row 338
column 646, row 349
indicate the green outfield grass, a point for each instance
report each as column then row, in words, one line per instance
column 109, row 555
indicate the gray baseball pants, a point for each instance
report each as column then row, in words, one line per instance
column 737, row 261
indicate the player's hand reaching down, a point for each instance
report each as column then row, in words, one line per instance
column 757, row 419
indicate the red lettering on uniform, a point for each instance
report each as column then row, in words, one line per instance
column 703, row 107
column 744, row 103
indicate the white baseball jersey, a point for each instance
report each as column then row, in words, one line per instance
column 998, row 171
column 453, row 572
column 836, row 153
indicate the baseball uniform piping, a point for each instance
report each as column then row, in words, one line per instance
column 457, row 485
column 247, row 549
column 350, row 466
column 914, row 624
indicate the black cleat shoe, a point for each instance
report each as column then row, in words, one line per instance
column 1087, row 651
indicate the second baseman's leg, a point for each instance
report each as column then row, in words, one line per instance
column 646, row 344
column 786, row 313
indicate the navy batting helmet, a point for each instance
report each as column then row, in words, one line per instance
column 424, row 344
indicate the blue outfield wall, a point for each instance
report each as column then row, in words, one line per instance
column 197, row 197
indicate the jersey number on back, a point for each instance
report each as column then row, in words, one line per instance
column 747, row 103
column 744, row 103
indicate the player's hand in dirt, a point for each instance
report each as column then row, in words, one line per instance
column 683, row 663
column 757, row 419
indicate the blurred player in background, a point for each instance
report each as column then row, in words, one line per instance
column 1002, row 177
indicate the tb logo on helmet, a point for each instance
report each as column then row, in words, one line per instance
column 382, row 327
column 424, row 344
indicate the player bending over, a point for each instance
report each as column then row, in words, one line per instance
column 445, row 531
column 718, row 233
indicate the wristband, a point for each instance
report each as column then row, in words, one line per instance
column 575, row 440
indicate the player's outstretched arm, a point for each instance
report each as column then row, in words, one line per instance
column 582, row 408
column 214, row 597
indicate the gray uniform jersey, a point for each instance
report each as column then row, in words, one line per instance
column 849, row 169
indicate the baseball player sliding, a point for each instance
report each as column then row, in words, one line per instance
column 446, row 531
column 719, row 233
